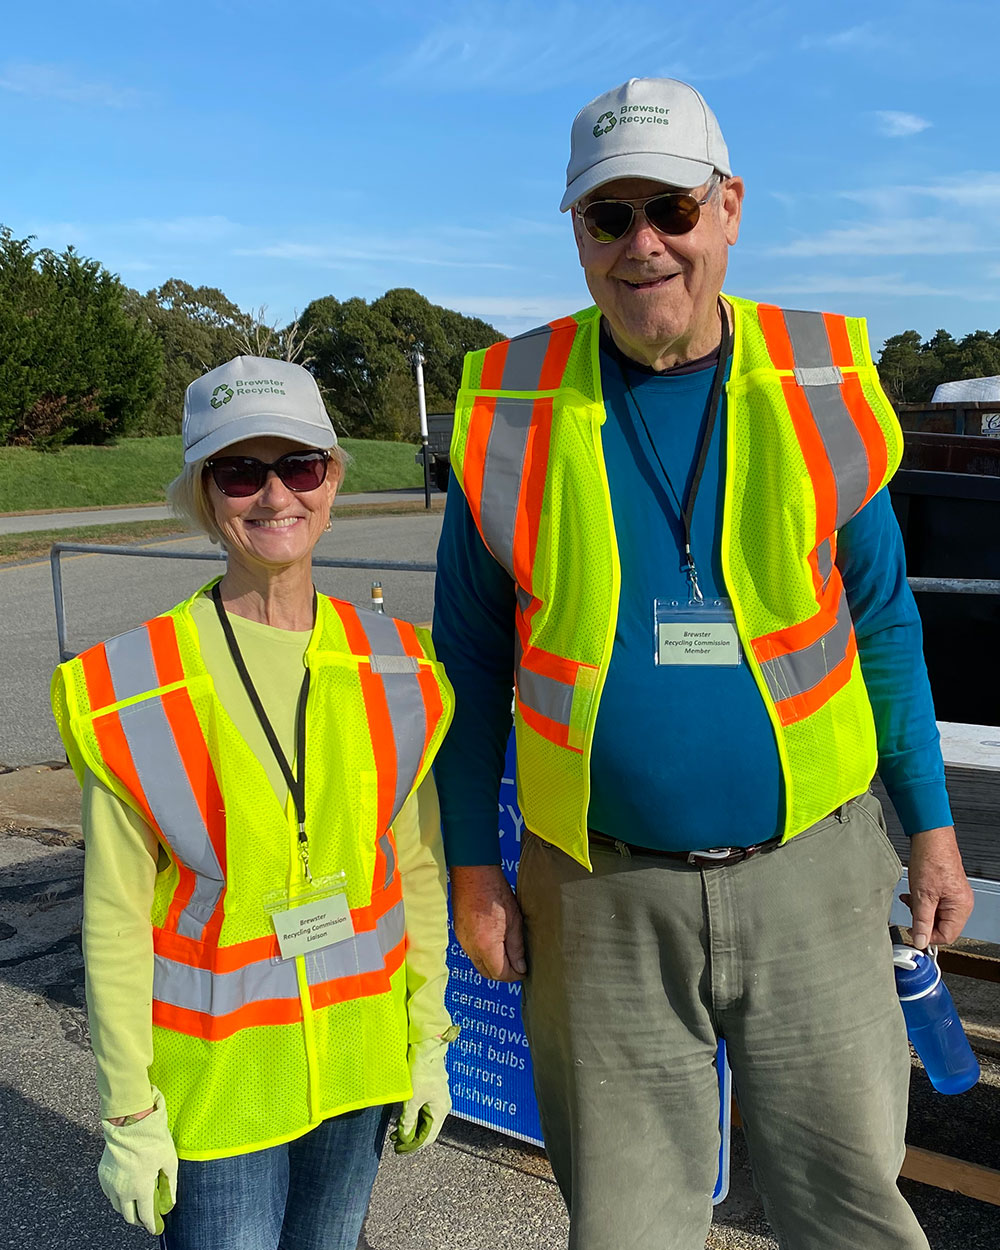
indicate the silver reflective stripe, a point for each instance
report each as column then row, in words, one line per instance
column 844, row 447
column 799, row 672
column 502, row 473
column 824, row 560
column 819, row 377
column 220, row 993
column 385, row 842
column 175, row 809
column 408, row 715
column 522, row 370
column 523, row 600
column 383, row 636
column 393, row 663
column 545, row 695
column 810, row 341
column 820, row 380
column 364, row 953
column 130, row 659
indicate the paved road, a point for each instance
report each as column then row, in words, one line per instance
column 157, row 512
column 105, row 595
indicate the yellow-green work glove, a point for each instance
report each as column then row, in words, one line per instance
column 138, row 1170
column 424, row 1114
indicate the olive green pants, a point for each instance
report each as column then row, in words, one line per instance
column 636, row 969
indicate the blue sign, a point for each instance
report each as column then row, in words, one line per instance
column 490, row 1065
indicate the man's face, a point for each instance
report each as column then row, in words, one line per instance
column 659, row 292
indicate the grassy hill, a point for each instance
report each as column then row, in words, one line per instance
column 136, row 470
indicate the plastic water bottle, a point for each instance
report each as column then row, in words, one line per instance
column 932, row 1022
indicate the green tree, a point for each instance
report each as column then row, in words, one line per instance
column 75, row 364
column 198, row 328
column 362, row 356
column 910, row 369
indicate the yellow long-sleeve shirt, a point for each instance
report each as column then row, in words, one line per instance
column 122, row 855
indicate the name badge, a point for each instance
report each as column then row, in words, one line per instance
column 689, row 634
column 313, row 925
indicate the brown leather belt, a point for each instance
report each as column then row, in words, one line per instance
column 713, row 857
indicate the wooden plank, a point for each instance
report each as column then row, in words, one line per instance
column 975, row 803
column 955, row 1175
column 968, row 964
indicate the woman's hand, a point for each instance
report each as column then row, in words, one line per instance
column 424, row 1114
column 138, row 1170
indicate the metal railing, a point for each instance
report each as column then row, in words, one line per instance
column 919, row 585
column 159, row 553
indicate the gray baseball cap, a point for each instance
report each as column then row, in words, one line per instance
column 250, row 397
column 656, row 128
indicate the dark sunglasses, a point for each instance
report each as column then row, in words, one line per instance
column 243, row 476
column 673, row 212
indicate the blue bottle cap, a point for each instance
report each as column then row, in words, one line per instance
column 917, row 972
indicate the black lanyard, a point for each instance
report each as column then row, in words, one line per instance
column 686, row 512
column 296, row 784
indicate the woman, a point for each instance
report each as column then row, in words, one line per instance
column 256, row 808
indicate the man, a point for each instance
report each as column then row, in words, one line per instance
column 670, row 521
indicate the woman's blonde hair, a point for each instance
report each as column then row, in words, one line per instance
column 188, row 498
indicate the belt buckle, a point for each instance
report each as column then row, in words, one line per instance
column 719, row 856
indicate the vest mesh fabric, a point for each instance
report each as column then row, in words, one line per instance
column 270, row 1082
column 769, row 556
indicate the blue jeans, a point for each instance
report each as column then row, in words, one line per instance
column 309, row 1194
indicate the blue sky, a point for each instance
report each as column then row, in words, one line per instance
column 284, row 153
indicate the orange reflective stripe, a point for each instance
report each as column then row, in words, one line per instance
column 97, row 675
column 551, row 730
column 550, row 665
column 493, row 365
column 557, row 353
column 116, row 755
column 408, row 637
column 166, row 653
column 804, row 633
column 799, row 706
column 779, row 345
column 197, row 762
column 527, row 519
column 814, row 453
column 217, row 1028
column 364, row 985
column 840, row 341
column 197, row 954
column 474, row 461
column 871, row 432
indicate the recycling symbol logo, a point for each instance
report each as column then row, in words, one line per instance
column 603, row 130
column 221, row 395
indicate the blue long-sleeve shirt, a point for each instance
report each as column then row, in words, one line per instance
column 683, row 757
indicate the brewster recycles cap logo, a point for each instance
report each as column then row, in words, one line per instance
column 221, row 395
column 636, row 114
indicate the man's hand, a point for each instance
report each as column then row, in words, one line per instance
column 488, row 921
column 940, row 896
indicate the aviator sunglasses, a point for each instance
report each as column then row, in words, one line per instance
column 243, row 476
column 672, row 212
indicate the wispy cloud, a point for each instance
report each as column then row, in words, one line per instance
column 894, row 125
column 339, row 256
column 515, row 47
column 514, row 312
column 895, row 285
column 863, row 37
column 46, row 81
column 929, row 236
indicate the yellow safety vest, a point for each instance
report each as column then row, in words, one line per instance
column 251, row 1050
column 810, row 438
